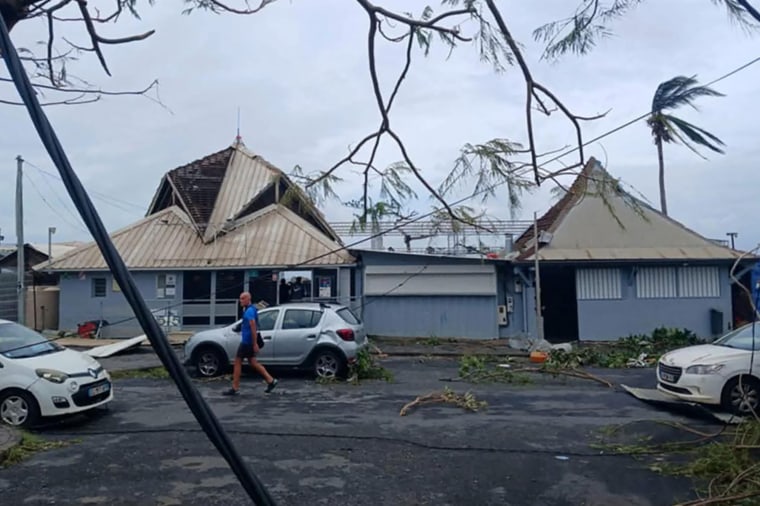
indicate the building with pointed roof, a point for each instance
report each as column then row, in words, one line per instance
column 610, row 265
column 227, row 222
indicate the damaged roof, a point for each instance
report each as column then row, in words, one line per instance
column 271, row 237
column 228, row 185
column 596, row 220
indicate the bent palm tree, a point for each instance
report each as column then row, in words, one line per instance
column 665, row 127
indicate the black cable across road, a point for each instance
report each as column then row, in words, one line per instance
column 202, row 412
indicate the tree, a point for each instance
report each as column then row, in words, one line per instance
column 666, row 128
column 490, row 164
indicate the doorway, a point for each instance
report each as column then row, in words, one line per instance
column 559, row 303
column 262, row 285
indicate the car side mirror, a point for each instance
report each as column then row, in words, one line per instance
column 237, row 327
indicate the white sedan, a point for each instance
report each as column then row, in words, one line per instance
column 724, row 373
column 40, row 378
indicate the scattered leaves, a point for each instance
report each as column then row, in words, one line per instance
column 152, row 373
column 28, row 446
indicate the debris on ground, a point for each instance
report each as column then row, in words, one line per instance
column 478, row 369
column 367, row 368
column 724, row 465
column 466, row 401
column 632, row 351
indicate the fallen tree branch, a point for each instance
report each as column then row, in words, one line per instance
column 466, row 401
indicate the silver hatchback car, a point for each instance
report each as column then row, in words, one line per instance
column 324, row 338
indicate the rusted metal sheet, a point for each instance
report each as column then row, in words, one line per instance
column 272, row 237
column 247, row 176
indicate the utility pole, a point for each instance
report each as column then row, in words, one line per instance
column 20, row 257
column 732, row 235
column 539, row 312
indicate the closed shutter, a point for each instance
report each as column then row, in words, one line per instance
column 696, row 282
column 598, row 284
column 656, row 283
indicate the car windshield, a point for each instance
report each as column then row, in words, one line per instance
column 741, row 338
column 17, row 341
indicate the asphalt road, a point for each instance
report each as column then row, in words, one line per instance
column 342, row 444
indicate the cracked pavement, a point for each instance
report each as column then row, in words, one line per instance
column 344, row 444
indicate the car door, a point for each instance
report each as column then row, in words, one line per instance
column 267, row 320
column 296, row 335
column 267, row 324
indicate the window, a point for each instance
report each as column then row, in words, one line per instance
column 99, row 287
column 672, row 282
column 696, row 282
column 348, row 316
column 301, row 319
column 598, row 284
column 656, row 283
column 268, row 319
column 166, row 286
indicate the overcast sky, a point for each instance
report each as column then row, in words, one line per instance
column 298, row 71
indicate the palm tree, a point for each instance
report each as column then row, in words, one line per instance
column 671, row 94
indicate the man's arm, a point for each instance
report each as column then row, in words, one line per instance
column 253, row 334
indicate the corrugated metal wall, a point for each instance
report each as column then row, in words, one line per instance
column 471, row 317
column 681, row 282
column 598, row 284
column 8, row 296
column 656, row 283
column 699, row 282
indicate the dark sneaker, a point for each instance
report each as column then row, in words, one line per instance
column 231, row 392
column 271, row 386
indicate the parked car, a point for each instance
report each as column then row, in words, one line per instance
column 40, row 378
column 324, row 338
column 711, row 373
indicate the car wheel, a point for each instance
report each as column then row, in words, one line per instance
column 209, row 362
column 327, row 364
column 19, row 408
column 742, row 399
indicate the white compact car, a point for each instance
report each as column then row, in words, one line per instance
column 40, row 378
column 717, row 373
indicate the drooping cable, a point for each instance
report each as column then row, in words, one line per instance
column 202, row 412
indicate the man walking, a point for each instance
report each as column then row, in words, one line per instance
column 249, row 347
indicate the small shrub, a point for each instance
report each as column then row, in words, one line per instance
column 367, row 368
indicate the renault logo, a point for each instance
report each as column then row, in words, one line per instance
column 93, row 373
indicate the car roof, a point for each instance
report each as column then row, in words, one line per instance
column 305, row 305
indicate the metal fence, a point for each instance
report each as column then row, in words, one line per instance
column 8, row 296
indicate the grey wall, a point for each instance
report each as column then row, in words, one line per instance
column 77, row 304
column 602, row 320
column 431, row 316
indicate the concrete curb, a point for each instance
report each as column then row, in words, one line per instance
column 422, row 353
column 9, row 438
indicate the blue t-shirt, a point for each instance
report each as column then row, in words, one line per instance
column 249, row 314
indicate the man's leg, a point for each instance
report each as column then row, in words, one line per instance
column 236, row 370
column 271, row 382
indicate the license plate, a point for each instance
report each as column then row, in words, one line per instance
column 99, row 390
column 667, row 377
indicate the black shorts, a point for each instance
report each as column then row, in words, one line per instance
column 245, row 350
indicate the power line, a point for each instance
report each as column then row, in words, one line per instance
column 108, row 199
column 501, row 183
column 66, row 206
column 31, row 181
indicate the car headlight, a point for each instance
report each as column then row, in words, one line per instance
column 704, row 369
column 52, row 375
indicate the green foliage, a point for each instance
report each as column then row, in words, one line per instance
column 152, row 373
column 480, row 369
column 367, row 368
column 489, row 166
column 28, row 446
column 592, row 20
column 724, row 465
column 671, row 94
column 622, row 352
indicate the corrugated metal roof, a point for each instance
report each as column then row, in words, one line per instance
column 272, row 237
column 246, row 177
column 593, row 221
